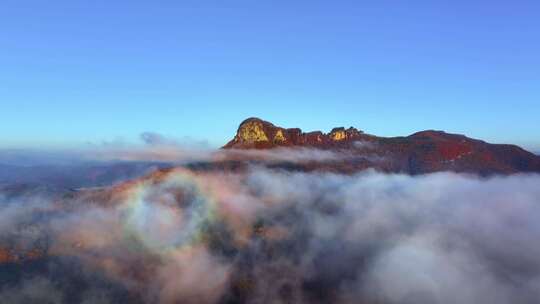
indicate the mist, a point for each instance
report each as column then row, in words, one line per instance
column 274, row 236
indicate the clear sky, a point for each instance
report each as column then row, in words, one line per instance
column 73, row 72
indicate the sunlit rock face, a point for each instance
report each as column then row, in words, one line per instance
column 279, row 137
column 338, row 134
column 254, row 132
column 257, row 133
column 251, row 131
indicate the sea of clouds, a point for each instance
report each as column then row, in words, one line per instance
column 271, row 236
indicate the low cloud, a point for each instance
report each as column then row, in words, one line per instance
column 273, row 236
column 296, row 155
column 153, row 147
column 153, row 139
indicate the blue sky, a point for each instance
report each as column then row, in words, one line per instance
column 74, row 72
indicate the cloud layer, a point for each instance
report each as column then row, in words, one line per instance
column 270, row 236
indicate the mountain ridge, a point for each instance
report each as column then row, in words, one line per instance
column 421, row 152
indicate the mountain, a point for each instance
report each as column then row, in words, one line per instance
column 111, row 233
column 422, row 152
